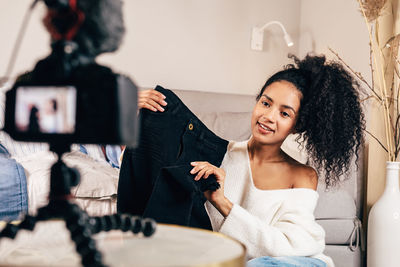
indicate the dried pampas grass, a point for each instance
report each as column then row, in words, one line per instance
column 387, row 93
column 373, row 8
column 393, row 44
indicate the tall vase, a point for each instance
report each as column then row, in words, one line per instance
column 383, row 240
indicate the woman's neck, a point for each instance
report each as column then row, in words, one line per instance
column 265, row 153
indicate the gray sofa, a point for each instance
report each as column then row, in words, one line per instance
column 228, row 115
column 339, row 209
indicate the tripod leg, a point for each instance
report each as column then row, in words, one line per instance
column 11, row 230
column 76, row 222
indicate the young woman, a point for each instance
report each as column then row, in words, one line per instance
column 267, row 199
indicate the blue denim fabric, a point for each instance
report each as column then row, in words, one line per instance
column 83, row 149
column 293, row 261
column 13, row 192
column 113, row 153
column 3, row 151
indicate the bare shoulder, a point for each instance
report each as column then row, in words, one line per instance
column 304, row 176
column 307, row 178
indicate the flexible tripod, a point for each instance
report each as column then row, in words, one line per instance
column 78, row 222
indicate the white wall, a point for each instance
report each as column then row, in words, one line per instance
column 36, row 40
column 337, row 24
column 185, row 44
column 205, row 44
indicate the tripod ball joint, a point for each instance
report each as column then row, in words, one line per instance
column 145, row 225
column 137, row 225
column 28, row 223
column 124, row 222
column 9, row 231
column 74, row 176
column 92, row 258
column 104, row 223
column 149, row 227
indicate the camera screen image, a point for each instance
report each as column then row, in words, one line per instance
column 45, row 109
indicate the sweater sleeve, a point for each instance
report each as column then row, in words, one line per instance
column 292, row 231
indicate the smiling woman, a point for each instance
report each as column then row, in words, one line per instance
column 318, row 100
column 330, row 120
column 265, row 198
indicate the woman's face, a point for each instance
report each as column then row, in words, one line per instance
column 276, row 112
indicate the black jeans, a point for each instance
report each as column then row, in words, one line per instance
column 155, row 179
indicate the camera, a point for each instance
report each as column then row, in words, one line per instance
column 70, row 99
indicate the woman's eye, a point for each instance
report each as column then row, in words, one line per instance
column 265, row 104
column 285, row 114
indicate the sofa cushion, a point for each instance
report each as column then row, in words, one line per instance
column 201, row 102
column 341, row 231
column 334, row 204
column 228, row 125
column 343, row 256
column 98, row 179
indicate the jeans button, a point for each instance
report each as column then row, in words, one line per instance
column 190, row 126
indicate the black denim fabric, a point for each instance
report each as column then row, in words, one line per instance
column 155, row 179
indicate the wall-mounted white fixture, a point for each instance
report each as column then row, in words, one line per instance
column 257, row 36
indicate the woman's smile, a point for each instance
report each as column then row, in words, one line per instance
column 264, row 129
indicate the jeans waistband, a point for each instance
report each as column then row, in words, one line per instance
column 196, row 127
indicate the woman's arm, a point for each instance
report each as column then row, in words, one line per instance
column 292, row 232
column 216, row 198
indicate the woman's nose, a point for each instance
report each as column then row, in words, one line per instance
column 270, row 115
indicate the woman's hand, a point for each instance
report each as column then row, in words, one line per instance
column 151, row 99
column 217, row 198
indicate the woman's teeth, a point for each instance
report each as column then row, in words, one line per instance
column 265, row 127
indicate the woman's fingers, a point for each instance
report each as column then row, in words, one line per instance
column 157, row 97
column 203, row 170
column 151, row 99
column 200, row 174
column 155, row 93
column 151, row 93
column 148, row 106
column 155, row 105
column 208, row 173
column 198, row 165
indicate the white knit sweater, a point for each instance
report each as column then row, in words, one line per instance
column 267, row 222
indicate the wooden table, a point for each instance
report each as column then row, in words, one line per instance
column 50, row 245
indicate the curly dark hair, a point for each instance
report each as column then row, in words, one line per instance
column 331, row 120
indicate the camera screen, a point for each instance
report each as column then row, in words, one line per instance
column 45, row 109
